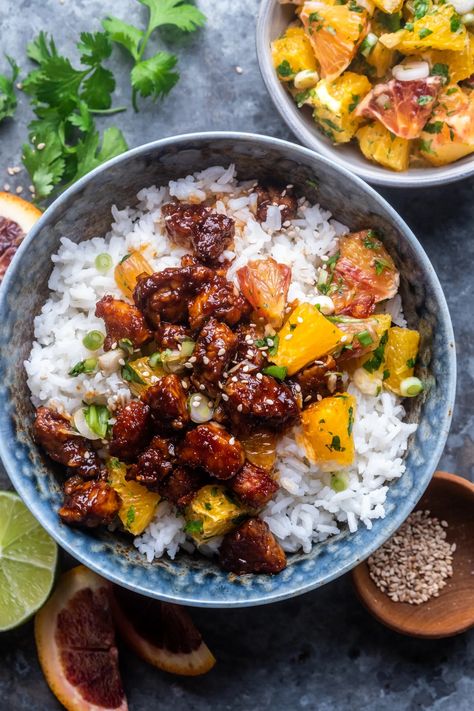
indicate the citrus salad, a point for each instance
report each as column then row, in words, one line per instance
column 396, row 76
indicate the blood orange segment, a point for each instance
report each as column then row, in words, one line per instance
column 449, row 134
column 402, row 106
column 335, row 32
column 161, row 633
column 265, row 284
column 75, row 640
column 364, row 274
column 17, row 217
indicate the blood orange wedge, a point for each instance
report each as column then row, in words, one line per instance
column 402, row 106
column 265, row 283
column 17, row 217
column 161, row 633
column 75, row 639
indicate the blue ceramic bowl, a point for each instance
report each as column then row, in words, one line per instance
column 82, row 212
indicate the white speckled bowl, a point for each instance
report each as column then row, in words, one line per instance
column 273, row 19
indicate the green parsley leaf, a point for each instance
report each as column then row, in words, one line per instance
column 377, row 357
column 350, row 424
column 424, row 100
column 455, row 22
column 386, row 374
column 381, row 264
column 354, row 102
column 173, row 12
column 421, row 8
column 273, row 348
column 41, row 48
column 284, row 69
column 411, row 362
column 441, row 70
column 90, row 154
column 435, row 127
column 94, row 48
column 7, row 91
column 335, row 445
column 425, row 146
column 46, row 167
column 425, row 32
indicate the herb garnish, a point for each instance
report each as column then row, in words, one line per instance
column 378, row 353
column 7, row 91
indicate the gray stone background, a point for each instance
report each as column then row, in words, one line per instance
column 320, row 651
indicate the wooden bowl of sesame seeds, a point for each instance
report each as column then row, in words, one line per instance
column 429, row 560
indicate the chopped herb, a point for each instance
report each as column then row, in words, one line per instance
column 214, row 491
column 274, row 347
column 421, row 8
column 293, row 326
column 7, row 91
column 301, row 97
column 130, row 375
column 355, row 101
column 208, row 506
column 455, row 22
column 335, row 445
column 441, row 70
column 386, row 374
column 130, row 516
column 377, row 357
column 195, row 526
column 284, row 69
column 424, row 100
column 313, row 183
column 425, row 32
column 276, row 371
column 409, row 26
column 452, row 90
column 411, row 362
column 332, row 125
column 354, row 7
column 391, row 22
column 435, row 127
column 350, row 424
column 425, row 146
column 314, row 17
column 321, row 422
column 84, row 366
column 364, row 338
column 451, row 134
column 97, row 418
column 369, row 243
column 124, row 259
column 154, row 360
column 381, row 264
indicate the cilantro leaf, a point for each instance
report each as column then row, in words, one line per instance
column 94, row 48
column 41, row 49
column 173, row 12
column 56, row 82
column 7, row 91
column 98, row 88
column 45, row 167
column 126, row 35
column 82, row 118
column 154, row 77
column 90, row 154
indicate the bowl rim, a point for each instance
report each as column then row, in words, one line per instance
column 116, row 574
column 292, row 117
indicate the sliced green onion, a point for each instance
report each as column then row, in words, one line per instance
column 93, row 340
column 339, row 482
column 364, row 338
column 368, row 44
column 410, row 387
column 81, row 425
column 276, row 371
column 201, row 408
column 103, row 262
column 97, row 419
column 84, row 366
column 187, row 347
column 154, row 360
column 126, row 345
column 172, row 361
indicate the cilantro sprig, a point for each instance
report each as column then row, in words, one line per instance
column 154, row 76
column 64, row 143
column 7, row 90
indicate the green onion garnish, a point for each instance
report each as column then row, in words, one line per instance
column 276, row 371
column 93, row 340
column 364, row 338
column 339, row 482
column 84, row 366
column 103, row 262
column 410, row 387
column 130, row 375
column 154, row 360
column 97, row 418
column 126, row 345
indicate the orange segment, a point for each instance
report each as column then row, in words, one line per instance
column 162, row 634
column 138, row 503
column 292, row 53
column 440, row 28
column 327, row 431
column 335, row 31
column 460, row 65
column 377, row 143
column 260, row 448
column 127, row 272
column 75, row 640
column 449, row 134
column 401, row 352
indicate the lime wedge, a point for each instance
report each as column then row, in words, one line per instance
column 28, row 559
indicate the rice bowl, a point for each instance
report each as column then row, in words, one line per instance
column 306, row 509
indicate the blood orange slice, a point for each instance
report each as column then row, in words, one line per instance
column 402, row 106
column 75, row 640
column 161, row 633
column 265, row 283
column 17, row 217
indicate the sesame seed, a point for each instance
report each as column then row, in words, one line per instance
column 121, row 361
column 202, row 387
column 288, row 336
column 249, row 354
column 343, row 339
column 232, row 440
column 154, row 379
column 239, row 70
column 6, row 187
column 193, row 359
column 240, row 408
column 19, row 190
column 269, row 401
column 184, row 384
column 205, row 360
column 307, row 398
column 234, row 379
column 259, row 376
column 319, row 397
column 299, row 319
column 298, row 387
column 221, row 352
column 40, row 146
column 245, row 369
column 225, row 397
column 10, row 170
column 188, row 365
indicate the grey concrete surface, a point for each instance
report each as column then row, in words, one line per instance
column 321, row 651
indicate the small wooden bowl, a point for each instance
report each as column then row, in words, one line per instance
column 449, row 498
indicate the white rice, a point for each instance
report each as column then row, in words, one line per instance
column 305, row 509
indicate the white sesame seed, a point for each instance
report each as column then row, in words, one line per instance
column 225, row 397
column 307, row 398
column 221, row 352
column 188, row 365
column 319, row 397
column 239, row 70
column 40, row 146
column 240, row 408
column 300, row 319
column 259, row 376
column 6, row 187
column 232, row 440
column 245, row 369
column 234, row 379
column 205, row 360
column 269, row 401
column 19, row 190
column 343, row 339
column 202, row 387
column 184, row 384
column 288, row 337
column 121, row 361
column 193, row 359
column 10, row 170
